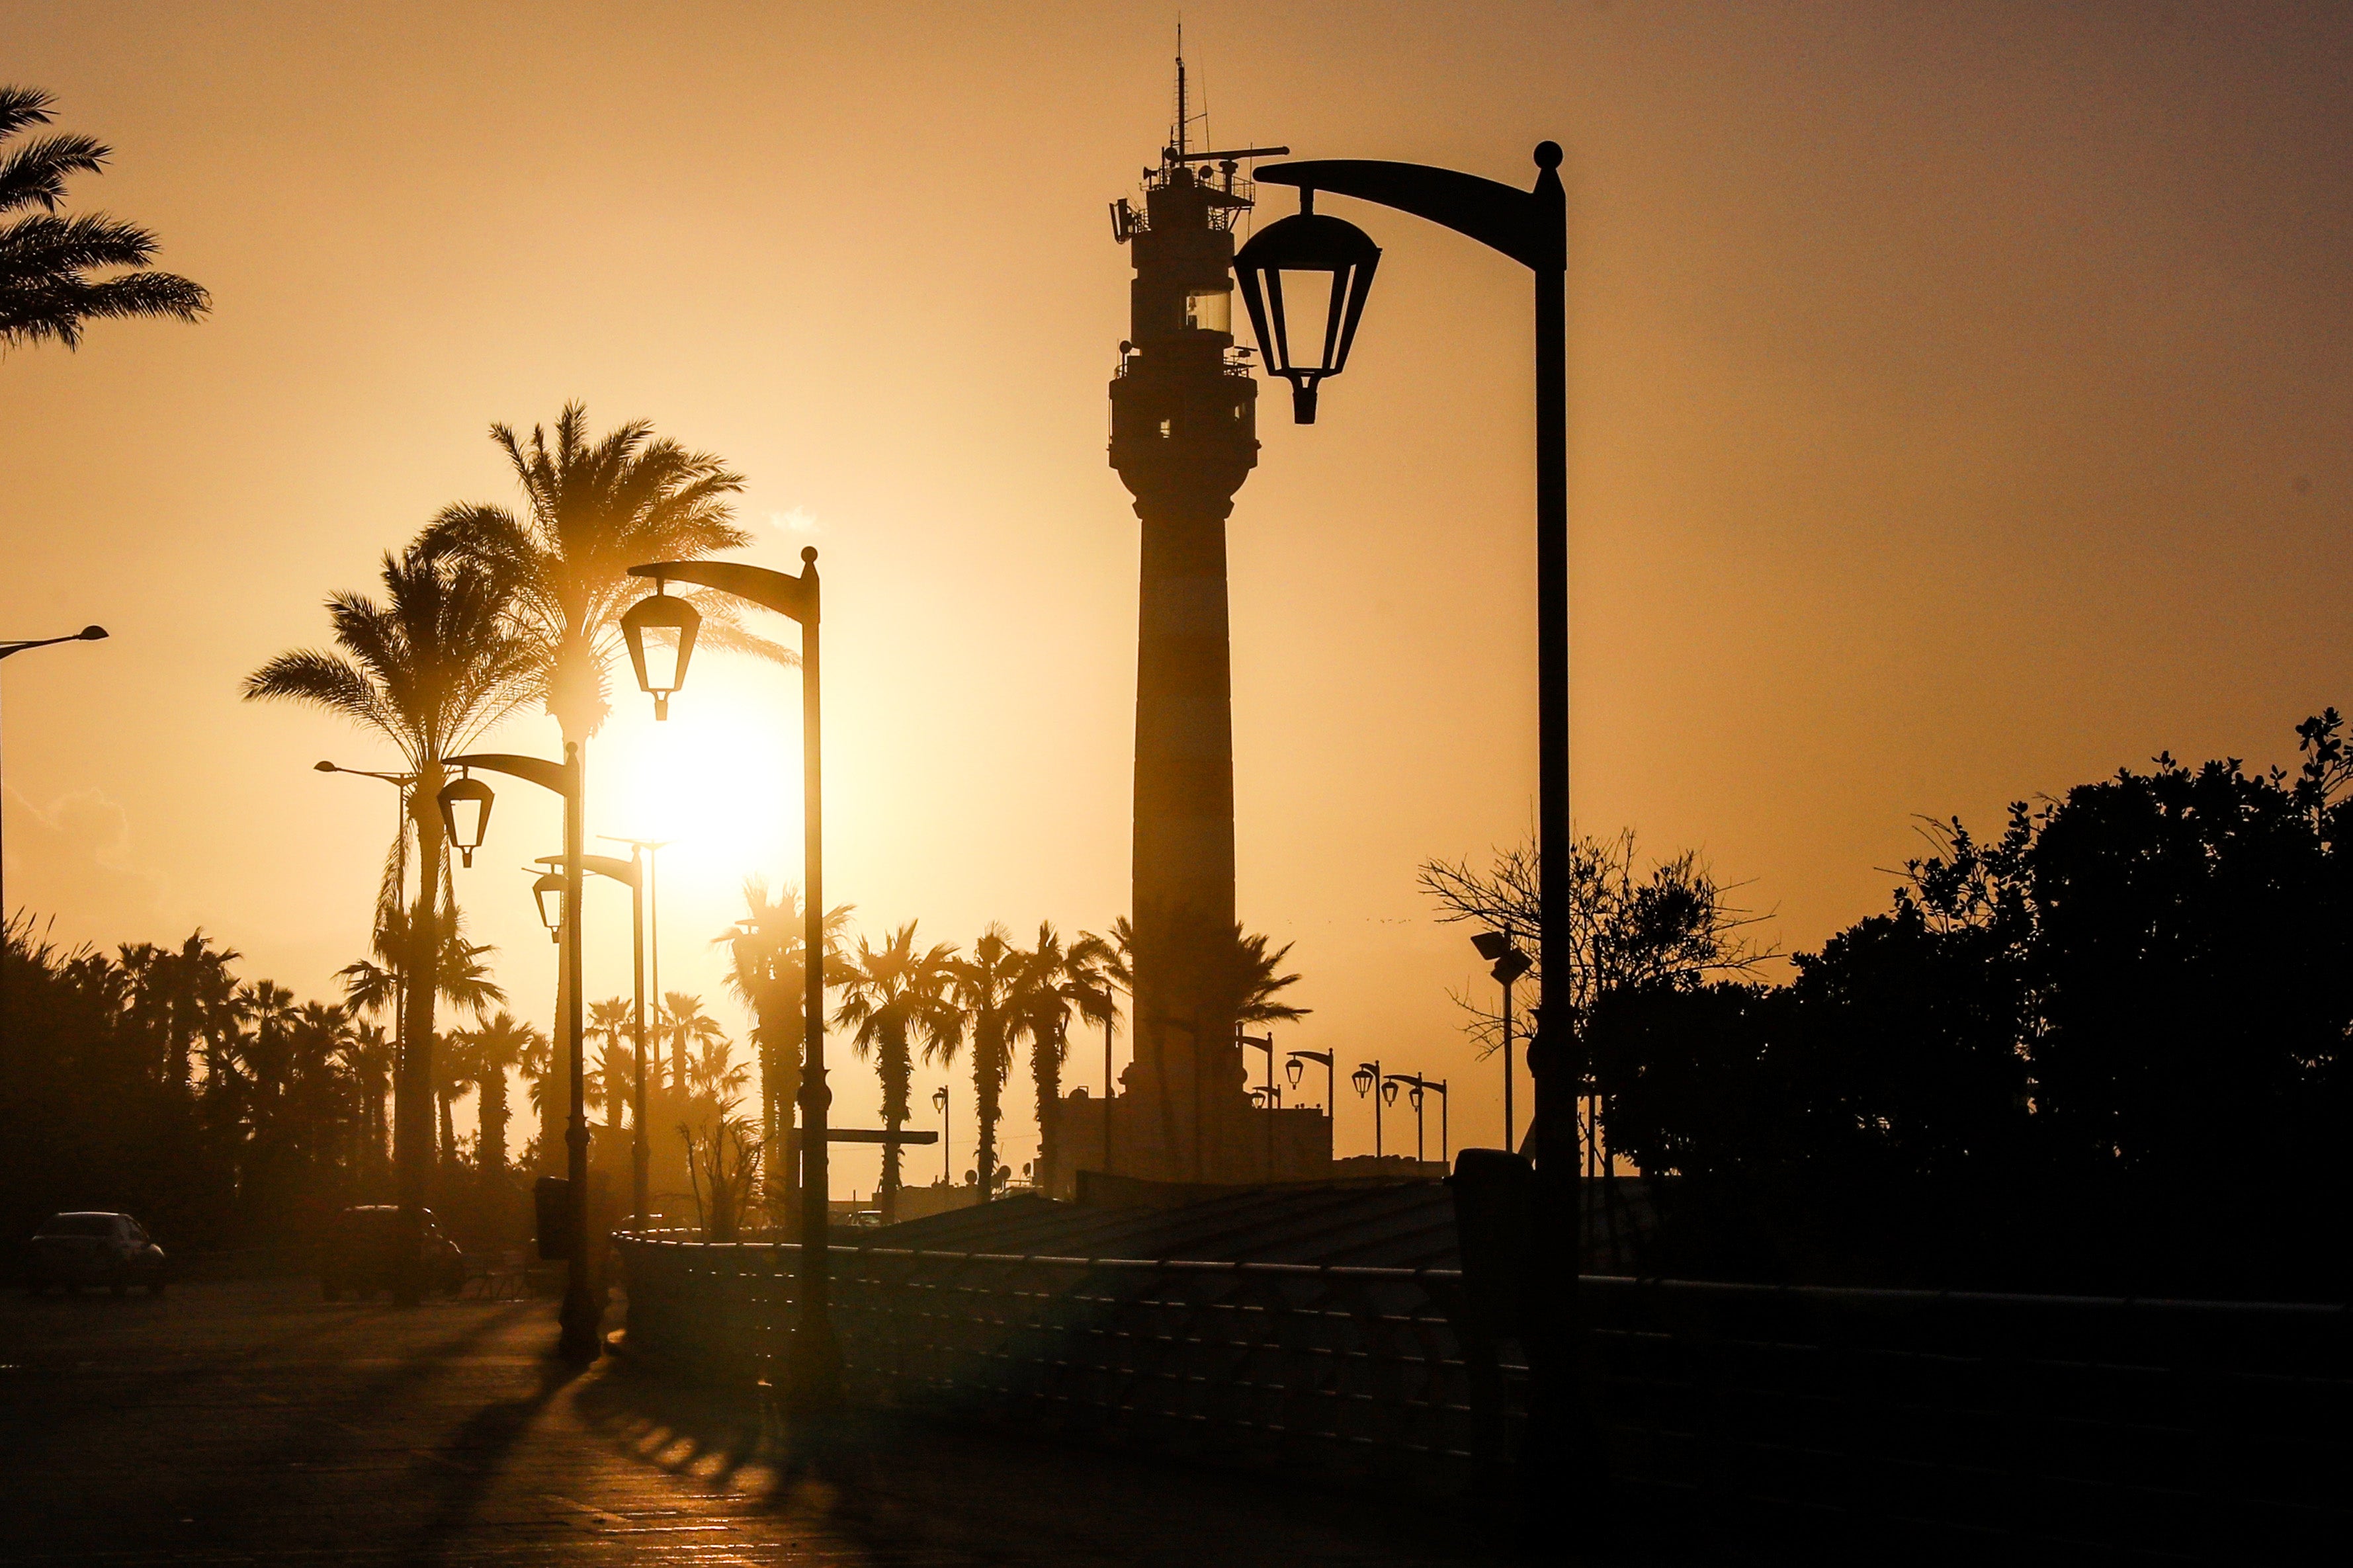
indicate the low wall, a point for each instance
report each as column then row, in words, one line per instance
column 1944, row 1426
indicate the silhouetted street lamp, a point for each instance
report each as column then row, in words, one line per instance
column 1509, row 963
column 1296, row 1067
column 9, row 650
column 661, row 631
column 402, row 783
column 1268, row 1098
column 629, row 873
column 1365, row 1080
column 940, row 1104
column 465, row 817
column 1532, row 228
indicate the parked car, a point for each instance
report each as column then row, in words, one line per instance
column 363, row 1250
column 94, row 1247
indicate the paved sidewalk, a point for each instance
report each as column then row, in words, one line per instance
column 253, row 1422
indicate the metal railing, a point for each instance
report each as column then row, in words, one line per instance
column 1833, row 1420
column 1355, row 1368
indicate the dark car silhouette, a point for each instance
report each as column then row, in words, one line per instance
column 362, row 1252
column 93, row 1247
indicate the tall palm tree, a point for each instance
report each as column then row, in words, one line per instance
column 368, row 1057
column 429, row 669
column 492, row 1050
column 46, row 292
column 890, row 998
column 591, row 509
column 767, row 974
column 682, row 1022
column 984, row 991
column 1055, row 982
column 612, row 1020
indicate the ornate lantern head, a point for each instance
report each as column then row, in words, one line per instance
column 1362, row 1079
column 548, row 891
column 1295, row 1069
column 465, row 807
column 661, row 631
column 1320, row 268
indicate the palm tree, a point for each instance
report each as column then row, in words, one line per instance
column 713, row 1077
column 612, row 1019
column 682, row 1022
column 591, row 510
column 45, row 258
column 497, row 1046
column 984, row 991
column 430, row 669
column 1241, row 987
column 889, row 997
column 1053, row 982
column 765, row 972
column 368, row 1057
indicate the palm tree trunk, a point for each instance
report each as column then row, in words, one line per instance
column 494, row 1122
column 445, row 1094
column 1046, row 1073
column 984, row 1076
column 897, row 1071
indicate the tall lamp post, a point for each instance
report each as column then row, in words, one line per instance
column 948, row 1165
column 1364, row 1079
column 630, row 873
column 1531, row 227
column 1508, row 964
column 466, row 815
column 661, row 631
column 1269, row 1096
column 9, row 650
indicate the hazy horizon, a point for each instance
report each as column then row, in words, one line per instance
column 1959, row 412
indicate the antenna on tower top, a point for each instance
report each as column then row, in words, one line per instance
column 1181, row 89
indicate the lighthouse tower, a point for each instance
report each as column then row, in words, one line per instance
column 1183, row 437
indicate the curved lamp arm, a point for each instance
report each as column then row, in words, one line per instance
column 564, row 778
column 771, row 589
column 1529, row 227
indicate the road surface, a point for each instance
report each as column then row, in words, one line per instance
column 253, row 1422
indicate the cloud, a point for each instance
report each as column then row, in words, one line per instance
column 72, row 862
column 798, row 519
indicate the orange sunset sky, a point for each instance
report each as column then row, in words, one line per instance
column 1960, row 404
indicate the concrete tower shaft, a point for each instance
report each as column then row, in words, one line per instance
column 1183, row 437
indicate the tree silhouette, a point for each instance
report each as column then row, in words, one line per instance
column 429, row 669
column 891, row 998
column 46, row 259
column 767, row 974
column 486, row 1053
column 983, row 990
column 1055, row 982
column 613, row 1020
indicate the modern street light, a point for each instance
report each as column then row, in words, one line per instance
column 9, row 650
column 645, row 852
column 1508, row 964
column 1365, row 1079
column 1532, row 228
column 661, row 631
column 630, row 873
column 465, row 816
column 402, row 783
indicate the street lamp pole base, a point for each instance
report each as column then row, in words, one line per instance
column 577, row 1343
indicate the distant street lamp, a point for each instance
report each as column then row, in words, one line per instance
column 465, row 816
column 1268, row 1097
column 940, row 1104
column 1296, row 1067
column 630, row 873
column 9, row 650
column 1532, row 228
column 661, row 631
column 1365, row 1079
column 402, row 783
column 547, row 893
column 1509, row 963
column 1415, row 1086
